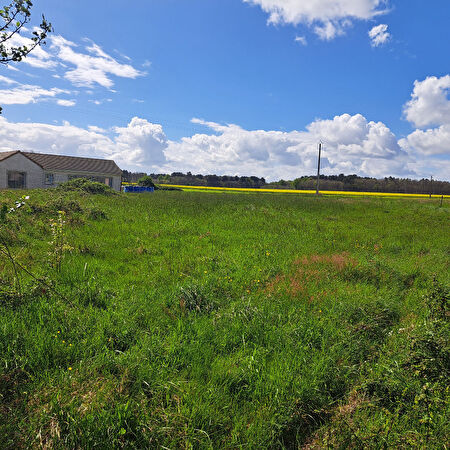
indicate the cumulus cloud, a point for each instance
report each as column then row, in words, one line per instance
column 141, row 143
column 329, row 17
column 431, row 142
column 379, row 35
column 352, row 145
column 430, row 107
column 138, row 146
column 429, row 104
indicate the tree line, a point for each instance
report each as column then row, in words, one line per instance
column 189, row 179
column 327, row 182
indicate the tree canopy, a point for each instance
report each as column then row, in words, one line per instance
column 13, row 18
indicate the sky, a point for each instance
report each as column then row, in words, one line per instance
column 237, row 87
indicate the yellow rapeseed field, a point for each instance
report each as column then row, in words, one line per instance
column 292, row 191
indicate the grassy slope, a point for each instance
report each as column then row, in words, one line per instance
column 212, row 320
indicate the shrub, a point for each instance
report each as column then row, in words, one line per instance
column 146, row 181
column 85, row 185
column 97, row 214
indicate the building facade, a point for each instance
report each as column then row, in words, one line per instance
column 26, row 170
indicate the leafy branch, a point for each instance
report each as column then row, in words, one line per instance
column 14, row 17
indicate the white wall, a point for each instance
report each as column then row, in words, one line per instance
column 18, row 162
column 117, row 183
column 35, row 177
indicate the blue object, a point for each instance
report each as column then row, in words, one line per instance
column 138, row 189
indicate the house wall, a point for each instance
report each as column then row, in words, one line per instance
column 18, row 162
column 35, row 175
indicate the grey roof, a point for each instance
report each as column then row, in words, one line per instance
column 69, row 163
column 4, row 155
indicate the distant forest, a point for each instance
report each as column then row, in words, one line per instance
column 327, row 182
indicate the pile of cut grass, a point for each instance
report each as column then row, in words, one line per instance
column 205, row 320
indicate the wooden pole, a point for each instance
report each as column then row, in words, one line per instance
column 318, row 169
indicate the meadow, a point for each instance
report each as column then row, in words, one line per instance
column 210, row 320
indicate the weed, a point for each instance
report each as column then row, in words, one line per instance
column 86, row 186
column 195, row 299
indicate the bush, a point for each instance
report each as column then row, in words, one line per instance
column 85, row 185
column 146, row 182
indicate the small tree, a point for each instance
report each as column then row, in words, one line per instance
column 146, row 182
column 14, row 17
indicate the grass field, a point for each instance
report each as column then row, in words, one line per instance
column 207, row 320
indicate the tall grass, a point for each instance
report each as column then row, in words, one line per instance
column 206, row 320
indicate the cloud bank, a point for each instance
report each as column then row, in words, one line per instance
column 352, row 143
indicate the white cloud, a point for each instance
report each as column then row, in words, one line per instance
column 301, row 40
column 82, row 67
column 330, row 17
column 39, row 58
column 429, row 104
column 329, row 31
column 431, row 142
column 379, row 35
column 6, row 80
column 352, row 145
column 94, row 67
column 26, row 93
column 100, row 102
column 138, row 146
column 430, row 107
column 96, row 129
column 67, row 103
column 141, row 143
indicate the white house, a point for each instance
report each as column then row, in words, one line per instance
column 27, row 170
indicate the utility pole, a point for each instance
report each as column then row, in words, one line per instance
column 431, row 185
column 318, row 169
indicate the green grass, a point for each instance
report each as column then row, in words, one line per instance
column 208, row 320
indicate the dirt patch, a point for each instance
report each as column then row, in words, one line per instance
column 339, row 260
column 310, row 272
column 342, row 418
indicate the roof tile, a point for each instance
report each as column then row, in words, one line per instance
column 70, row 163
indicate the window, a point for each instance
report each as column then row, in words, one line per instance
column 16, row 180
column 49, row 179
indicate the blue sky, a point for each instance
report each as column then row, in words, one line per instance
column 242, row 87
